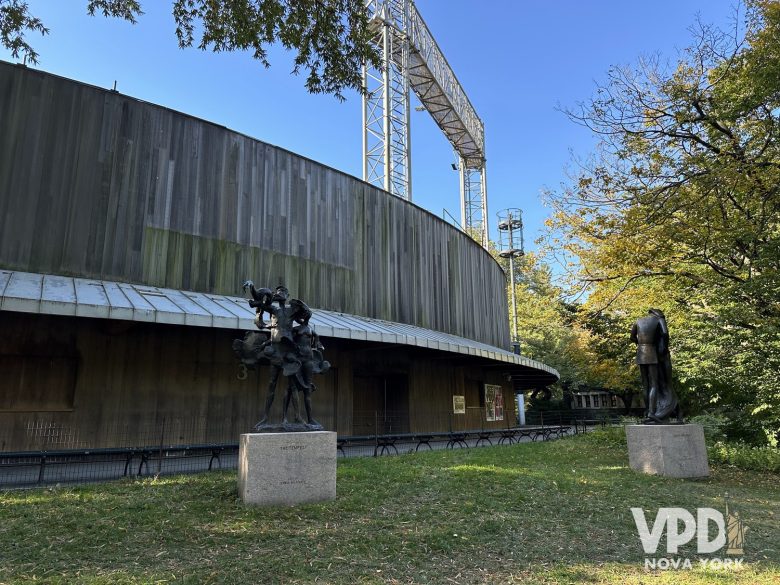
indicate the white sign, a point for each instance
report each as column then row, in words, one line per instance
column 459, row 404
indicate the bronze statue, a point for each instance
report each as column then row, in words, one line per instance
column 291, row 347
column 651, row 336
column 310, row 355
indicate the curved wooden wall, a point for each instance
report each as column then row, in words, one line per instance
column 97, row 184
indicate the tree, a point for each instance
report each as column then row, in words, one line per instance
column 331, row 37
column 561, row 334
column 550, row 330
column 680, row 206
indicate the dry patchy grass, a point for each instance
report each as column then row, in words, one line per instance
column 555, row 512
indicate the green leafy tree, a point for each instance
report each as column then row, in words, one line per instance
column 560, row 333
column 549, row 328
column 331, row 37
column 679, row 207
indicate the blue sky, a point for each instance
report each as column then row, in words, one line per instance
column 517, row 59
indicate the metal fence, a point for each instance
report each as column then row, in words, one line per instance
column 174, row 446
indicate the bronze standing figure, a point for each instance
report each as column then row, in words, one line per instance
column 290, row 346
column 651, row 335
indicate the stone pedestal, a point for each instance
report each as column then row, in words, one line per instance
column 285, row 469
column 668, row 450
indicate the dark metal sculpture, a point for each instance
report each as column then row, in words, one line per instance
column 291, row 347
column 651, row 336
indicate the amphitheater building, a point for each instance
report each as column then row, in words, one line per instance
column 126, row 230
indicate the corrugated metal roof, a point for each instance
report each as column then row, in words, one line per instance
column 29, row 292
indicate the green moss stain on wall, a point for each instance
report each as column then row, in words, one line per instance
column 185, row 261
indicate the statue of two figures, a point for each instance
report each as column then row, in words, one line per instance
column 292, row 348
column 651, row 336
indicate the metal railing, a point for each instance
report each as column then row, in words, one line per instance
column 173, row 446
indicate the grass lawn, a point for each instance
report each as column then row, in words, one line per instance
column 554, row 512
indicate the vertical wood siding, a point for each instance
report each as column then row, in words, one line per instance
column 134, row 379
column 139, row 384
column 97, row 184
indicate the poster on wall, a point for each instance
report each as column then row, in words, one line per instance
column 494, row 403
column 459, row 404
column 498, row 404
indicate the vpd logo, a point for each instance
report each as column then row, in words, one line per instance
column 711, row 530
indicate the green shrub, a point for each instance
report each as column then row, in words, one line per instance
column 732, row 427
column 714, row 426
column 745, row 456
column 743, row 427
column 610, row 436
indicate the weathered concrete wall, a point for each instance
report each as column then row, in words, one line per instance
column 97, row 184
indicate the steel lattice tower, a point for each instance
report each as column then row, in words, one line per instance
column 386, row 136
column 473, row 200
column 511, row 246
column 411, row 59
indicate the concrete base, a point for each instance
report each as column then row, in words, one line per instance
column 668, row 450
column 285, row 469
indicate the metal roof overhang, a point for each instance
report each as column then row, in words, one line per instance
column 47, row 294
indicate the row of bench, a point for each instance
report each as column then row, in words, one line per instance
column 387, row 443
column 143, row 456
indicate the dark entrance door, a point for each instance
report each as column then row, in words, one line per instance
column 380, row 404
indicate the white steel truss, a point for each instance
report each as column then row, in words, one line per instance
column 473, row 201
column 411, row 59
column 386, row 137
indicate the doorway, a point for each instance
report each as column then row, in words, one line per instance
column 380, row 404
